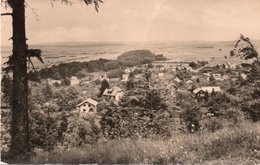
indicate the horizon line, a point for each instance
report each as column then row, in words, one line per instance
column 94, row 42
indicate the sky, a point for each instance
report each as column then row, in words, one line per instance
column 138, row 20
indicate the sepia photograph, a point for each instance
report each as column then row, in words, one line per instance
column 130, row 82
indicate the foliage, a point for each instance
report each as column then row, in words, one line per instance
column 244, row 49
column 104, row 86
column 68, row 98
column 116, row 73
column 6, row 88
column 199, row 64
column 191, row 117
column 229, row 146
column 135, row 57
column 160, row 57
column 130, row 59
column 81, row 130
column 134, row 122
column 141, row 113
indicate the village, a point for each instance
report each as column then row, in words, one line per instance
column 201, row 82
column 152, row 99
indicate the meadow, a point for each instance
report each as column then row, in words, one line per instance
column 234, row 145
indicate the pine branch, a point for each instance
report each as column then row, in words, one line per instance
column 29, row 59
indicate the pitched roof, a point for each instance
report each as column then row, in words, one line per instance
column 74, row 78
column 208, row 89
column 112, row 92
column 90, row 101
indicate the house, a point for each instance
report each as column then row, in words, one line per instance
column 243, row 76
column 74, row 80
column 225, row 77
column 194, row 77
column 125, row 77
column 127, row 71
column 115, row 93
column 88, row 105
column 52, row 82
column 177, row 79
column 160, row 75
column 189, row 82
column 217, row 76
column 207, row 74
column 202, row 93
column 231, row 65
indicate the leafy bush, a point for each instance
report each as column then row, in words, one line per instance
column 212, row 124
column 191, row 117
column 81, row 130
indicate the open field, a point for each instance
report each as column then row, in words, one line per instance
column 57, row 53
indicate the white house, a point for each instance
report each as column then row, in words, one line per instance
column 189, row 82
column 116, row 93
column 225, row 77
column 207, row 74
column 127, row 71
column 74, row 80
column 160, row 75
column 217, row 76
column 125, row 77
column 243, row 76
column 52, row 82
column 86, row 106
column 194, row 77
column 230, row 65
column 177, row 79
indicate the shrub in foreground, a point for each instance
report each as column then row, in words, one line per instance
column 234, row 145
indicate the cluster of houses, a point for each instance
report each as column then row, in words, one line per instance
column 198, row 83
column 90, row 105
column 74, row 80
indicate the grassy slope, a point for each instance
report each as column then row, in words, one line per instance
column 237, row 145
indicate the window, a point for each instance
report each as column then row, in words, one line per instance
column 84, row 110
column 91, row 110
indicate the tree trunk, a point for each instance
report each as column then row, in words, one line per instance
column 19, row 148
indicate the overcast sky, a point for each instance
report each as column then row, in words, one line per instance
column 139, row 20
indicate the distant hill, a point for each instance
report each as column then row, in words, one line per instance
column 137, row 56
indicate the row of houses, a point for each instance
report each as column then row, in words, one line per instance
column 76, row 81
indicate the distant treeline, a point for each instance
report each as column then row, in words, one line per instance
column 128, row 59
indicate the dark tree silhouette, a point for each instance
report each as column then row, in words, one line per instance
column 244, row 49
column 19, row 149
column 104, row 86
